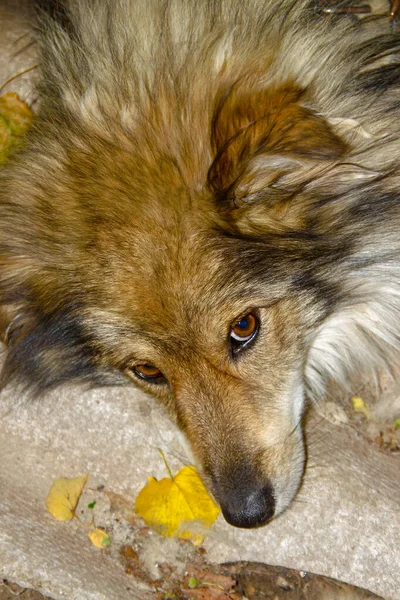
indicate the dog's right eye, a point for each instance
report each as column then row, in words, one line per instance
column 148, row 373
column 243, row 332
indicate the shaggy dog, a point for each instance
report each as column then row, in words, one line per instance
column 208, row 206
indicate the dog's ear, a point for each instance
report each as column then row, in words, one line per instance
column 260, row 134
column 12, row 323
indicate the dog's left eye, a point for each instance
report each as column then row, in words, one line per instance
column 148, row 373
column 243, row 332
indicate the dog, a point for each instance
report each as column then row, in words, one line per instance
column 208, row 207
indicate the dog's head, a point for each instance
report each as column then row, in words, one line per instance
column 190, row 266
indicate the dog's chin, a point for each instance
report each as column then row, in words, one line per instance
column 286, row 486
column 286, row 490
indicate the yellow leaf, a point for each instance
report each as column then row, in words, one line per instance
column 15, row 120
column 99, row 538
column 63, row 497
column 172, row 506
column 360, row 406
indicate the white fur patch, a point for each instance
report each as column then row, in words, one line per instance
column 364, row 335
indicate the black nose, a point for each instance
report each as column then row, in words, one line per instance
column 249, row 508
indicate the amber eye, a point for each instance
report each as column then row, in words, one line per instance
column 243, row 332
column 149, row 373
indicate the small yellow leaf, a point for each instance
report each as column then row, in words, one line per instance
column 99, row 538
column 63, row 497
column 360, row 406
column 172, row 505
column 15, row 120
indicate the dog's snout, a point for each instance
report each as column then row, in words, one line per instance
column 248, row 507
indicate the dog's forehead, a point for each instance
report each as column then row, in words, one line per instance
column 170, row 263
column 179, row 278
column 171, row 273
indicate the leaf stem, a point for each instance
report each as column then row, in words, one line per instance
column 16, row 76
column 165, row 463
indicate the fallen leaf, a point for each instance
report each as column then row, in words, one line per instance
column 207, row 577
column 209, row 593
column 63, row 497
column 178, row 506
column 397, row 424
column 193, row 583
column 15, row 120
column 360, row 406
column 130, row 559
column 99, row 538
